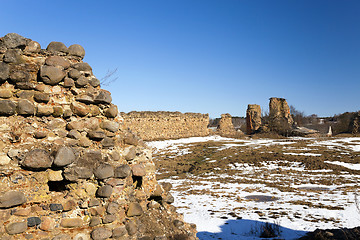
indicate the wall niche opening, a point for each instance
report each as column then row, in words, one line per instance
column 137, row 181
column 58, row 186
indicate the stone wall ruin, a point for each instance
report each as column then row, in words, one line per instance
column 166, row 125
column 253, row 118
column 226, row 127
column 280, row 119
column 69, row 169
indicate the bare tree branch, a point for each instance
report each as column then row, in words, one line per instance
column 109, row 77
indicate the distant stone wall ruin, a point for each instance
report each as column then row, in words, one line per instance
column 280, row 119
column 226, row 127
column 166, row 125
column 253, row 118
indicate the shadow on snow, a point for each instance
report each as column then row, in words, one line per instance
column 245, row 229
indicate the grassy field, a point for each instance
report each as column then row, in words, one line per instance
column 299, row 184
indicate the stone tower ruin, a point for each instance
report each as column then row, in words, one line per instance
column 280, row 119
column 68, row 167
column 253, row 118
column 226, row 127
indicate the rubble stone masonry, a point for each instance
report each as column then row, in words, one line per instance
column 69, row 169
column 280, row 119
column 166, row 125
column 253, row 118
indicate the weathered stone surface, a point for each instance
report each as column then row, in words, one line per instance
column 77, row 50
column 122, row 171
column 4, row 71
column 96, row 135
column 81, row 236
column 134, row 209
column 44, row 110
column 58, row 111
column 253, row 118
column 138, row 170
column 74, row 134
column 94, row 202
column 33, row 221
column 62, row 237
column 97, row 211
column 25, row 107
column 101, row 233
column 23, row 212
column 112, row 111
column 69, row 205
column 103, row 97
column 57, row 47
column 166, row 186
column 132, row 139
column 94, row 82
column 47, row 224
column 95, row 221
column 104, row 191
column 109, row 218
column 20, row 76
column 7, row 107
column 16, row 228
column 112, row 208
column 107, row 142
column 54, row 175
column 85, row 98
column 68, row 82
column 226, row 128
column 51, row 75
column 169, row 198
column 110, row 125
column 4, row 159
column 119, row 231
column 14, row 40
column 104, row 171
column 5, row 93
column 81, row 82
column 77, row 125
column 84, row 142
column 13, row 56
column 75, row 173
column 64, row 157
column 280, row 119
column 166, row 125
column 131, row 227
column 84, row 67
column 25, row 94
column 57, row 61
column 79, row 109
column 25, row 85
column 56, row 207
column 130, row 154
column 11, row 199
column 71, row 222
column 56, row 124
column 74, row 74
column 32, row 47
column 37, row 159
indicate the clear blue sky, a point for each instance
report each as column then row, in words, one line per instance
column 208, row 56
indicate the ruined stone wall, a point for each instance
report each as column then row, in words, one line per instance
column 69, row 169
column 253, row 118
column 280, row 119
column 226, row 127
column 166, row 125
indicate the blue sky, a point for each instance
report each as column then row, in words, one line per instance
column 208, row 56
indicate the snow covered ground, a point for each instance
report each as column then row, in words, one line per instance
column 293, row 198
